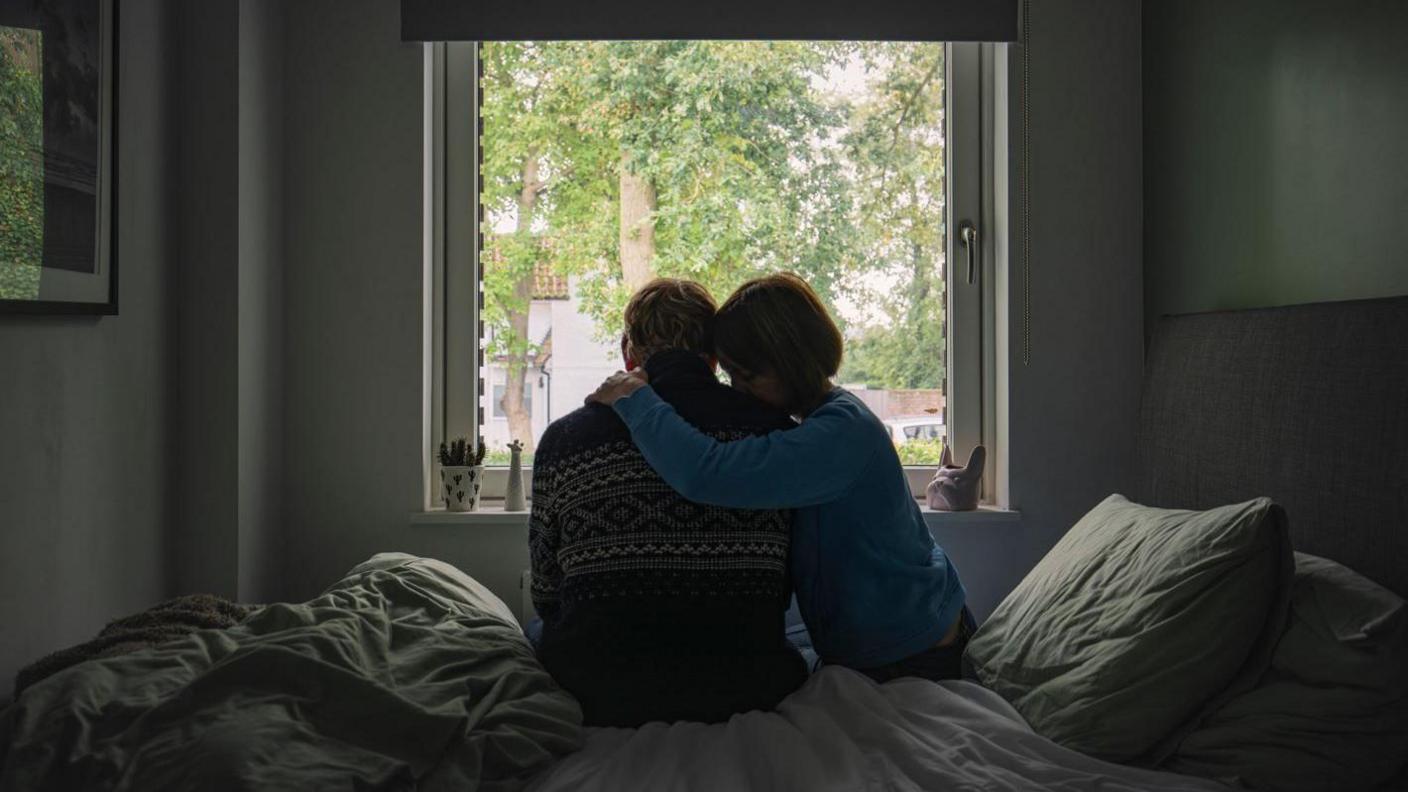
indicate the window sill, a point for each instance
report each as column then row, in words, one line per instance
column 492, row 513
column 489, row 513
column 983, row 515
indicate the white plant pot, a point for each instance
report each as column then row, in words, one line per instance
column 460, row 484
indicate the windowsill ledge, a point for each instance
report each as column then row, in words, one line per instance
column 983, row 515
column 489, row 513
column 492, row 513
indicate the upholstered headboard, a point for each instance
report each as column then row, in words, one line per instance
column 1306, row 404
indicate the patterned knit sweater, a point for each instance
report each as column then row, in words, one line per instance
column 654, row 607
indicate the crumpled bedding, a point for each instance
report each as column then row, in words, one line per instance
column 165, row 621
column 842, row 731
column 405, row 674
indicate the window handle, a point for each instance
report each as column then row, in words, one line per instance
column 968, row 236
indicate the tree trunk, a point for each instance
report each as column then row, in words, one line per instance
column 637, row 227
column 918, row 283
column 919, row 275
column 520, row 418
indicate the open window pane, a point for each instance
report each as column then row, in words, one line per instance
column 608, row 163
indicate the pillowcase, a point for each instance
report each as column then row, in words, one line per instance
column 1332, row 710
column 1137, row 622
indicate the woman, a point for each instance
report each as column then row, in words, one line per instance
column 877, row 594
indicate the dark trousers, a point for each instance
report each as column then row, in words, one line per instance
column 935, row 663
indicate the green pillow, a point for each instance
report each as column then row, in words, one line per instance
column 1139, row 621
column 1332, row 711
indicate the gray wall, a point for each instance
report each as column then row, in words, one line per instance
column 355, row 298
column 1275, row 171
column 1071, row 413
column 85, row 438
column 354, row 306
column 261, row 305
column 205, row 538
column 229, row 535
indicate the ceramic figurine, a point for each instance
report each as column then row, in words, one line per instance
column 956, row 488
column 513, row 495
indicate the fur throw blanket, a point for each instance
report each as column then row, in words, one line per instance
column 164, row 622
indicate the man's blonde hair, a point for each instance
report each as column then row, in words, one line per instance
column 670, row 313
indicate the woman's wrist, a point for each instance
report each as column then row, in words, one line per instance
column 637, row 403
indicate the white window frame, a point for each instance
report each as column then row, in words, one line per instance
column 454, row 353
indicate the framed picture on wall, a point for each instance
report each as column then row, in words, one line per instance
column 58, row 144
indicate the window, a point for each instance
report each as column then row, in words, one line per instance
column 593, row 166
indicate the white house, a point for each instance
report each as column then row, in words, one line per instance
column 571, row 362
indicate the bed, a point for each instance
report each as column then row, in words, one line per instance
column 843, row 732
column 1307, row 404
column 1236, row 405
column 404, row 674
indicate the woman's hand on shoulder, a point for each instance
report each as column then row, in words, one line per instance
column 619, row 386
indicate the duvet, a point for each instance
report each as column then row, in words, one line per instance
column 843, row 733
column 405, row 674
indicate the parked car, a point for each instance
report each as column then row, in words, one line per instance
column 903, row 430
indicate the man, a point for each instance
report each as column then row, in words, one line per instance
column 654, row 607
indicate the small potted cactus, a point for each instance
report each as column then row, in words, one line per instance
column 461, row 474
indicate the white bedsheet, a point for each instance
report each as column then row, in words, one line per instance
column 842, row 731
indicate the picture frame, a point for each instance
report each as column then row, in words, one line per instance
column 58, row 156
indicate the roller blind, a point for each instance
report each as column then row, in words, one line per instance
column 860, row 20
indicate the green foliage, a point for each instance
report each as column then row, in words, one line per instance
column 21, row 168
column 752, row 167
column 921, row 452
column 894, row 140
column 19, row 281
column 722, row 131
column 909, row 354
column 501, row 457
column 460, row 453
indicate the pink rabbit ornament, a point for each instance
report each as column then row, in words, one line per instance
column 956, row 488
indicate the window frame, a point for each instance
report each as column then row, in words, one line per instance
column 454, row 352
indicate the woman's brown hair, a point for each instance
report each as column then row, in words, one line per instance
column 777, row 325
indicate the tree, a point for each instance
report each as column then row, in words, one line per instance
column 695, row 159
column 616, row 161
column 517, row 84
column 21, row 165
column 896, row 141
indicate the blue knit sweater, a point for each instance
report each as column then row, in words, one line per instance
column 872, row 585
